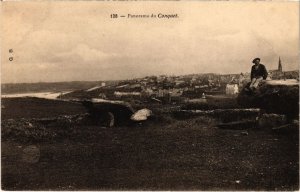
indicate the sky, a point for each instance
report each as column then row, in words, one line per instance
column 79, row 41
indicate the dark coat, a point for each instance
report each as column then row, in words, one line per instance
column 261, row 71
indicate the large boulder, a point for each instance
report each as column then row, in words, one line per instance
column 109, row 113
column 274, row 96
column 141, row 115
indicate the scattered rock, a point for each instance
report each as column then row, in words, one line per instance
column 225, row 115
column 141, row 115
column 30, row 125
column 157, row 100
column 31, row 154
column 111, row 119
column 238, row 125
column 244, row 133
column 271, row 120
column 287, row 128
column 40, row 129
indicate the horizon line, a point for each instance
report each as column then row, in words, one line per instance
column 132, row 78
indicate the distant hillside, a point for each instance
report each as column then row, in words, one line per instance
column 48, row 87
column 80, row 86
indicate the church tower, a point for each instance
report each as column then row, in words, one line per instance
column 279, row 65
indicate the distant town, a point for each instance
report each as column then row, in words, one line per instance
column 160, row 88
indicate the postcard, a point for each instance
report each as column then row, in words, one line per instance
column 150, row 95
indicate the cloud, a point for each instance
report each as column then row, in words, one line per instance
column 61, row 41
column 82, row 53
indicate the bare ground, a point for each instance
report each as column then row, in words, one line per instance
column 161, row 154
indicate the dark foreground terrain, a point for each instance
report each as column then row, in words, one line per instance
column 163, row 153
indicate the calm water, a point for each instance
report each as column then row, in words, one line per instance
column 46, row 95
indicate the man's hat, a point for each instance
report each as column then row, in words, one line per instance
column 255, row 60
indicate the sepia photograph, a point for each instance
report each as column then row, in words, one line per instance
column 130, row 95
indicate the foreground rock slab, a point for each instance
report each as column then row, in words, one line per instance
column 274, row 96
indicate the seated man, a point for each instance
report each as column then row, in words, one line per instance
column 258, row 73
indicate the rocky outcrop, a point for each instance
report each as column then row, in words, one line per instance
column 109, row 113
column 274, row 96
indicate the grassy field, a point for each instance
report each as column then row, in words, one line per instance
column 163, row 153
